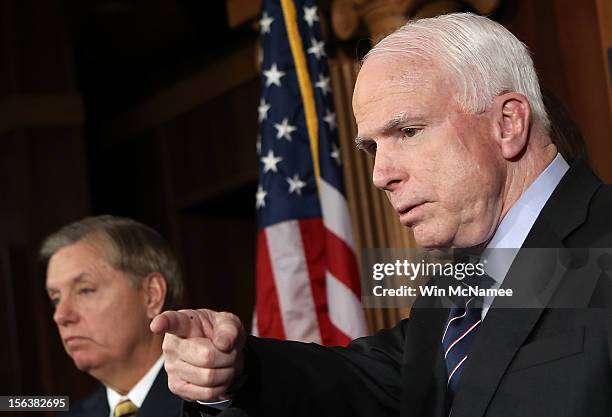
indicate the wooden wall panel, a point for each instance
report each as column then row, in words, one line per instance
column 604, row 12
column 564, row 37
column 11, row 375
column 8, row 48
column 41, row 42
column 212, row 148
column 219, row 77
column 42, row 176
column 585, row 68
column 219, row 258
column 43, row 185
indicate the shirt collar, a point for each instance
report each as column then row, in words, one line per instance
column 139, row 392
column 516, row 224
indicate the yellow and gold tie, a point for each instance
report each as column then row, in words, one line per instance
column 125, row 408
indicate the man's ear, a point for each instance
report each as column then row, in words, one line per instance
column 512, row 114
column 154, row 286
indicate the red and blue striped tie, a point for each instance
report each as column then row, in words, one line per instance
column 461, row 328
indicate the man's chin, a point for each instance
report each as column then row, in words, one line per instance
column 85, row 362
column 431, row 241
column 427, row 239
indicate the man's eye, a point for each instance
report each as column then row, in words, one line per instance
column 410, row 132
column 371, row 149
column 85, row 291
column 54, row 301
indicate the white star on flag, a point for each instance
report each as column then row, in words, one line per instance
column 265, row 22
column 273, row 76
column 317, row 48
column 263, row 110
column 258, row 144
column 310, row 15
column 296, row 185
column 284, row 129
column 270, row 161
column 260, row 197
column 330, row 119
column 323, row 84
column 335, row 153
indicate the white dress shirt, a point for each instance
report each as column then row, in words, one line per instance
column 516, row 224
column 139, row 392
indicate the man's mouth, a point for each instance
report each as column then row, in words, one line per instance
column 407, row 212
column 74, row 340
column 401, row 210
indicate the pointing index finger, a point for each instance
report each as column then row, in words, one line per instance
column 179, row 323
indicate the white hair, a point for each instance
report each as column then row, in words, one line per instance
column 484, row 58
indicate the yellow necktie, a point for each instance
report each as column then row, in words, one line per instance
column 125, row 408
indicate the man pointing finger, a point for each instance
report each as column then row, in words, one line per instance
column 450, row 111
column 203, row 351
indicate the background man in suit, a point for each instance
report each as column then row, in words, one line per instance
column 107, row 278
column 451, row 111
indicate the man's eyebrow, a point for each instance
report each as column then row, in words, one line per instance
column 395, row 122
column 75, row 280
column 390, row 125
column 360, row 142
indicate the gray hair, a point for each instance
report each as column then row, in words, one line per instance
column 484, row 58
column 128, row 245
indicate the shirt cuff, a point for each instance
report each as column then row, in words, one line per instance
column 219, row 405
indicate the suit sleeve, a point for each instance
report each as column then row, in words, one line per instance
column 300, row 379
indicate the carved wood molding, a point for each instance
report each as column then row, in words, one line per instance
column 382, row 17
column 242, row 11
column 34, row 110
column 222, row 76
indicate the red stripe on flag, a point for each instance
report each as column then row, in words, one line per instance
column 269, row 321
column 313, row 238
column 342, row 262
column 335, row 337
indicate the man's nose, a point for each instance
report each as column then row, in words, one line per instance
column 65, row 312
column 386, row 174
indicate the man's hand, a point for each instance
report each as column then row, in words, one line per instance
column 202, row 351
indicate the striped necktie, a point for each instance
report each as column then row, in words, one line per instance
column 125, row 408
column 461, row 328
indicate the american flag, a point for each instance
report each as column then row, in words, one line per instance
column 307, row 277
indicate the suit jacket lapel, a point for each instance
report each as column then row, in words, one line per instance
column 505, row 330
column 159, row 400
column 96, row 405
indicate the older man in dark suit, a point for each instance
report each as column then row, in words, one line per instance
column 107, row 277
column 451, row 111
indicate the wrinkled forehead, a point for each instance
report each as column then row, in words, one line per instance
column 83, row 258
column 400, row 69
column 394, row 78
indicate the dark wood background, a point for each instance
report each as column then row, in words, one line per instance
column 147, row 109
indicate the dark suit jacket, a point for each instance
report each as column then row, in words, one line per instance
column 524, row 362
column 159, row 402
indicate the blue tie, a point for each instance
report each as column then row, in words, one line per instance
column 461, row 328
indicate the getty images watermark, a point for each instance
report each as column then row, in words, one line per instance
column 513, row 278
column 457, row 272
